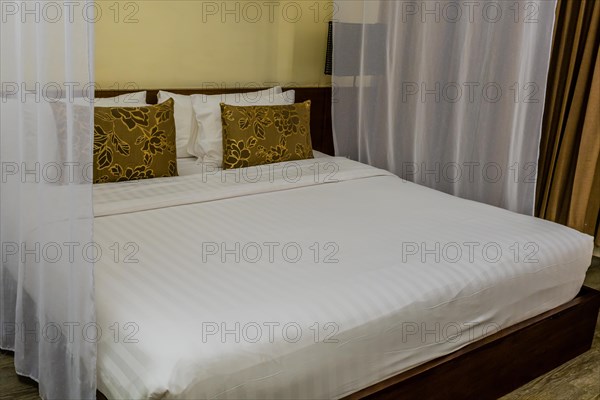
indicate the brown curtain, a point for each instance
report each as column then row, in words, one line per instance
column 568, row 186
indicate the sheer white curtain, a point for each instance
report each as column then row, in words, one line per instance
column 446, row 94
column 47, row 314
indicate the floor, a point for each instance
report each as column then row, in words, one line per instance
column 578, row 379
column 12, row 386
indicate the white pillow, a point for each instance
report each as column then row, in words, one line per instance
column 185, row 122
column 208, row 146
column 137, row 99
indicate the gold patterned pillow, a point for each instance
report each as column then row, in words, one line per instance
column 259, row 135
column 133, row 143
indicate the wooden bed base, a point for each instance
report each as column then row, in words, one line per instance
column 500, row 363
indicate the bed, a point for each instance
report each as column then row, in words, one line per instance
column 321, row 278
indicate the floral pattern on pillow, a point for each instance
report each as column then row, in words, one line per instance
column 132, row 143
column 258, row 135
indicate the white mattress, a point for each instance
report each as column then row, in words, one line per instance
column 389, row 309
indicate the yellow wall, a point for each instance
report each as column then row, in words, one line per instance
column 196, row 43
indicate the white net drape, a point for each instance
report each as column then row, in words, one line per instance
column 47, row 314
column 446, row 94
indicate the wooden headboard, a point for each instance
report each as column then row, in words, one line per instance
column 320, row 112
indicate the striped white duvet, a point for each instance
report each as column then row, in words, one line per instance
column 310, row 284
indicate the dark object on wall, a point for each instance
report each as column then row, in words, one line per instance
column 329, row 52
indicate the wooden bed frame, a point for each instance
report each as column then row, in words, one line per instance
column 500, row 363
column 487, row 368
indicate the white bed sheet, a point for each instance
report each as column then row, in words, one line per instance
column 192, row 166
column 390, row 310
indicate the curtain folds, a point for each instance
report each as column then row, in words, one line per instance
column 47, row 312
column 445, row 94
column 568, row 187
